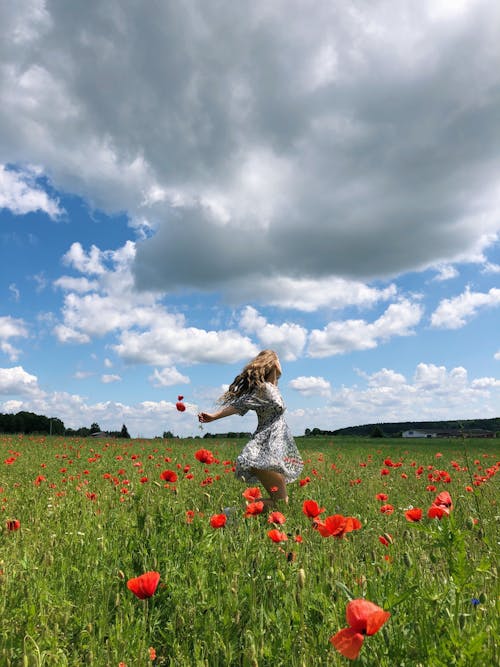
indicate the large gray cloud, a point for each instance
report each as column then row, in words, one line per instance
column 262, row 138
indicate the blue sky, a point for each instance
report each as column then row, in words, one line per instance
column 186, row 184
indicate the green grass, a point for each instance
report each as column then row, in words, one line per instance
column 231, row 596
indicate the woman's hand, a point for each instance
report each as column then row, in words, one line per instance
column 205, row 417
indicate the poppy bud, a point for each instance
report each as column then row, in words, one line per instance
column 406, row 559
column 301, row 578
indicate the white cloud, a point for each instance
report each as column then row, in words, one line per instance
column 446, row 272
column 306, row 294
column 311, row 386
column 108, row 378
column 20, row 194
column 485, row 383
column 287, row 339
column 454, row 313
column 167, row 377
column 66, row 334
column 91, row 263
column 162, row 346
column 339, row 337
column 11, row 327
column 79, row 285
column 16, row 380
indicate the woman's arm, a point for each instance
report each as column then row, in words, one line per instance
column 205, row 417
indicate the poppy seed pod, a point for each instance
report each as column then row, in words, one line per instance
column 301, row 578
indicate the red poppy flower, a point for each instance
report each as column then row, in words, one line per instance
column 443, row 499
column 218, row 520
column 190, row 516
column 437, row 512
column 276, row 517
column 145, row 585
column 255, row 508
column 277, row 536
column 312, row 509
column 381, row 496
column 168, row 476
column 415, row 514
column 387, row 509
column 152, row 653
column 337, row 525
column 204, row 456
column 180, row 406
column 252, row 493
column 364, row 618
column 13, row 524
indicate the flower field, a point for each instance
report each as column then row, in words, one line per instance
column 118, row 553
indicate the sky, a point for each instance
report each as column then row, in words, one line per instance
column 185, row 184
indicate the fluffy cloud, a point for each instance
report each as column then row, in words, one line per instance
column 145, row 331
column 306, row 294
column 167, row 377
column 311, row 386
column 108, row 378
column 454, row 313
column 11, row 327
column 20, row 193
column 287, row 339
column 259, row 140
column 16, row 381
column 340, row 337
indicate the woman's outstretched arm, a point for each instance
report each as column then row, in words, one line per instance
column 205, row 417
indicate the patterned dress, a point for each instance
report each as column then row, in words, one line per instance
column 272, row 446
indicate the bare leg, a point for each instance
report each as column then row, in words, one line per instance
column 274, row 483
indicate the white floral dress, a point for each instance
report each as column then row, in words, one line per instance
column 272, row 446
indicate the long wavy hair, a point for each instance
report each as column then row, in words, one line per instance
column 253, row 376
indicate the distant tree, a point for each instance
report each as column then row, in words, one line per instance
column 307, row 432
column 377, row 432
column 167, row 434
column 124, row 433
column 95, row 428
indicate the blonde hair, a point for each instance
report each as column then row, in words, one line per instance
column 253, row 376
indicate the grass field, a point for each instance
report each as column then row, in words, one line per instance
column 82, row 517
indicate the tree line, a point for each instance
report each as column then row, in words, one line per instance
column 29, row 422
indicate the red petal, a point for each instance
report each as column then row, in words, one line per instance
column 361, row 613
column 375, row 621
column 348, row 642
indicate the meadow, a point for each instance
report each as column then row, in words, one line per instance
column 83, row 519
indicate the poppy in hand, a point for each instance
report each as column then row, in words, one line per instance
column 364, row 618
column 145, row 585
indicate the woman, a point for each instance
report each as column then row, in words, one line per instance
column 271, row 457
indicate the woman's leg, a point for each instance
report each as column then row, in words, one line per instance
column 274, row 483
